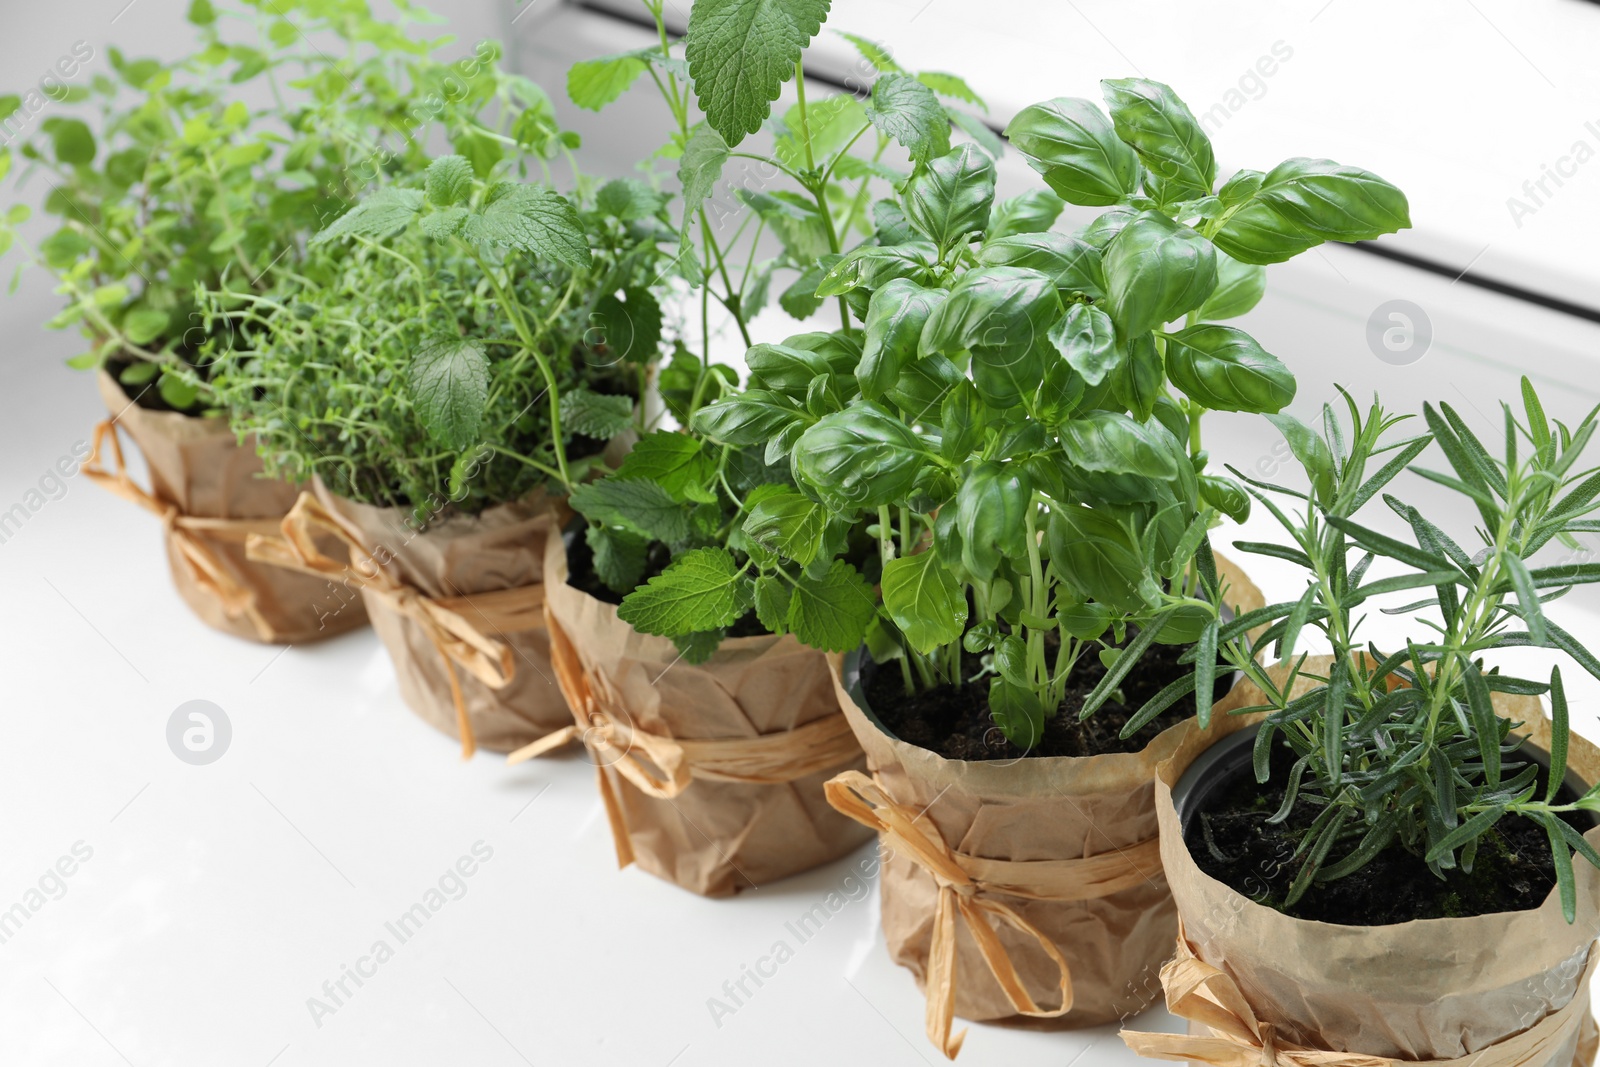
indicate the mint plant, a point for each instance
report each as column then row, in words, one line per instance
column 1403, row 748
column 455, row 343
column 1022, row 430
column 812, row 188
column 190, row 190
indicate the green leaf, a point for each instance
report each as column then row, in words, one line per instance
column 906, row 110
column 71, row 139
column 1086, row 338
column 992, row 505
column 861, row 457
column 1253, row 231
column 594, row 83
column 1527, row 597
column 1000, row 314
column 1018, row 712
column 1334, row 202
column 534, row 219
column 749, row 418
column 201, row 13
column 872, row 52
column 629, row 199
column 619, row 556
column 700, row 646
column 638, row 506
column 440, row 225
column 700, row 168
column 1125, row 663
column 385, row 212
column 677, row 462
column 874, row 266
column 1560, row 735
column 1226, row 370
column 1226, row 495
column 784, row 369
column 1073, row 264
column 1072, row 144
column 950, row 198
column 144, row 325
column 1155, row 271
column 1313, row 453
column 1239, row 288
column 449, row 181
column 895, row 320
column 178, row 393
column 449, row 384
column 1163, row 131
column 630, row 326
column 924, row 600
column 773, row 597
column 1112, row 442
column 949, row 85
column 596, row 415
column 1034, row 211
column 1472, row 829
column 1485, row 724
column 740, row 53
column 702, row 590
column 789, row 524
column 1094, row 555
column 832, row 613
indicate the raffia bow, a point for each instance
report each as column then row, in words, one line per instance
column 970, row 885
column 188, row 534
column 1235, row 1037
column 663, row 767
column 461, row 641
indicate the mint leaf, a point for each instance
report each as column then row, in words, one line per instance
column 924, row 600
column 741, row 52
column 872, row 52
column 594, row 83
column 449, row 181
column 772, row 603
column 595, row 415
column 639, row 507
column 449, row 385
column 700, row 645
column 533, row 219
column 379, row 215
column 629, row 327
column 702, row 590
column 700, row 168
column 954, row 87
column 832, row 613
column 907, row 110
column 629, row 199
column 674, row 461
column 619, row 556
column 442, row 224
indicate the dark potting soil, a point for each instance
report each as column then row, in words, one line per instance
column 582, row 577
column 1231, row 840
column 953, row 720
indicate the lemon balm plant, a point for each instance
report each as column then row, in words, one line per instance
column 1024, row 423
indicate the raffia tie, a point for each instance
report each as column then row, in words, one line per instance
column 663, row 767
column 1235, row 1037
column 188, row 534
column 462, row 642
column 971, row 887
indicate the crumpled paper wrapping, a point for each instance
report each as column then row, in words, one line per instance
column 716, row 838
column 198, row 466
column 458, row 556
column 1037, row 808
column 1426, row 989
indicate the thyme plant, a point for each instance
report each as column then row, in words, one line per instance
column 1404, row 747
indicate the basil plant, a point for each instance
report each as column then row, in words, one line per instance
column 1022, row 429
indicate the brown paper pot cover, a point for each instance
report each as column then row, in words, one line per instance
column 1038, row 808
column 716, row 838
column 459, row 556
column 198, row 465
column 1426, row 989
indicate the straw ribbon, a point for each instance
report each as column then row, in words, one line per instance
column 969, row 886
column 188, row 534
column 1235, row 1037
column 461, row 641
column 663, row 767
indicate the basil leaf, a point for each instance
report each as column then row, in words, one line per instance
column 1333, row 201
column 1072, row 144
column 895, row 319
column 1253, row 231
column 997, row 308
column 861, row 457
column 784, row 369
column 1093, row 554
column 1072, row 263
column 1156, row 270
column 1164, row 132
column 1034, row 211
column 991, row 507
column 1112, row 442
column 1087, row 340
column 748, row 418
column 1239, row 288
column 951, row 197
column 1226, row 370
column 874, row 266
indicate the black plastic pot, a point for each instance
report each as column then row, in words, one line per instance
column 1221, row 764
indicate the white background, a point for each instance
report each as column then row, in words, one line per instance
column 219, row 898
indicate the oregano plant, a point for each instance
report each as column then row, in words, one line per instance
column 1402, row 746
column 1022, row 431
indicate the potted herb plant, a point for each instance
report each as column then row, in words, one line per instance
column 1023, row 434
column 449, row 364
column 1373, row 853
column 186, row 189
column 686, row 581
